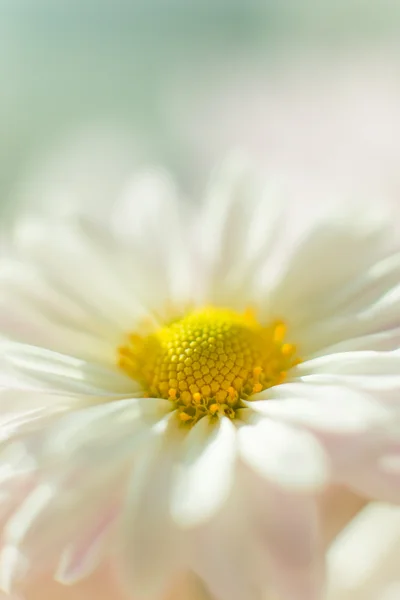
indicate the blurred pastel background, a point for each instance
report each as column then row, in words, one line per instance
column 92, row 90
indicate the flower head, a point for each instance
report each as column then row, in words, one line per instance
column 179, row 387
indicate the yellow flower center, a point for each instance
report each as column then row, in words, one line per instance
column 208, row 361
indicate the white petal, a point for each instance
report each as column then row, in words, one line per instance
column 381, row 341
column 371, row 286
column 61, row 373
column 23, row 412
column 149, row 217
column 384, row 388
column 318, row 335
column 150, row 549
column 332, row 408
column 351, row 426
column 115, row 428
column 204, row 475
column 356, row 304
column 285, row 455
column 79, row 268
column 320, row 266
column 239, row 227
column 34, row 312
column 13, row 568
column 368, row 363
column 222, row 551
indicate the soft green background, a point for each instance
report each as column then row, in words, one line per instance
column 131, row 68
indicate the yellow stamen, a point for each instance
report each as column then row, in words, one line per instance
column 279, row 331
column 208, row 361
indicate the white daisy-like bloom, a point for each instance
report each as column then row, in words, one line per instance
column 181, row 383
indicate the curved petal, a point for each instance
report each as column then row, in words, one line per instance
column 63, row 374
column 69, row 257
column 22, row 412
column 238, row 228
column 319, row 265
column 150, row 200
column 286, row 540
column 326, row 408
column 115, row 428
column 80, row 473
column 380, row 341
column 150, row 550
column 81, row 556
column 204, row 474
column 367, row 363
column 36, row 313
column 282, row 454
column 351, row 426
column 379, row 479
column 222, row 552
column 50, row 517
column 318, row 335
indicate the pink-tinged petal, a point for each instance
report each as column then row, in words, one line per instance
column 204, row 475
column 364, row 558
column 82, row 556
column 55, row 514
column 286, row 540
column 379, row 478
column 18, row 477
column 283, row 454
column 82, row 465
column 296, row 564
column 222, row 553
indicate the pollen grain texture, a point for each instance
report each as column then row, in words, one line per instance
column 208, row 361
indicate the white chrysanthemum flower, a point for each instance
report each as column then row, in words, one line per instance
column 178, row 388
